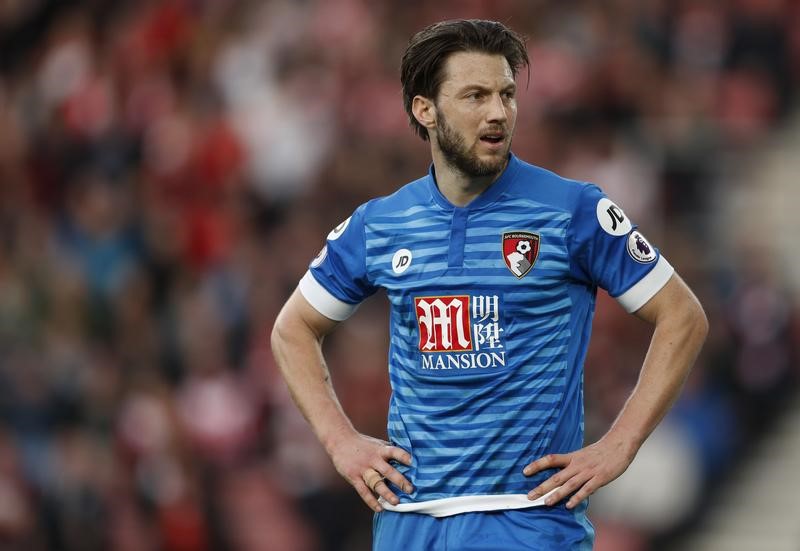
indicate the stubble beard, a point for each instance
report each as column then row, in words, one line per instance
column 458, row 156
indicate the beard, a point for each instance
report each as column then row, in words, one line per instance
column 465, row 160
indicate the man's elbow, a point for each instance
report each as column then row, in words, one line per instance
column 280, row 335
column 703, row 324
column 682, row 314
column 696, row 321
column 276, row 336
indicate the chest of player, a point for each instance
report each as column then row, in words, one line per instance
column 460, row 250
column 464, row 286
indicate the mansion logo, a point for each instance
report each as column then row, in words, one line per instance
column 460, row 332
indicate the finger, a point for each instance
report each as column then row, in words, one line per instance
column 383, row 490
column 569, row 487
column 586, row 490
column 551, row 483
column 554, row 460
column 367, row 496
column 395, row 476
column 398, row 454
column 376, row 483
column 371, row 478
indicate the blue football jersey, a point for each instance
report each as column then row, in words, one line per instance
column 491, row 311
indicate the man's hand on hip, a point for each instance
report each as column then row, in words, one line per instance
column 582, row 472
column 364, row 462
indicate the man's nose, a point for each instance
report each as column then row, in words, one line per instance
column 497, row 109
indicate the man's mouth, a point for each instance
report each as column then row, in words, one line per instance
column 493, row 137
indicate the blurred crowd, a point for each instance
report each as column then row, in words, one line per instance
column 169, row 168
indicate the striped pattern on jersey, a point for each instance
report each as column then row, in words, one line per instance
column 491, row 308
column 472, row 419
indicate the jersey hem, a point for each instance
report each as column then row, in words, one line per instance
column 643, row 290
column 323, row 301
column 449, row 506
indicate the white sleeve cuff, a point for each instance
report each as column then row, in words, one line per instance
column 324, row 302
column 638, row 295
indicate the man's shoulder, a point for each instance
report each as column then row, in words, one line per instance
column 546, row 186
column 413, row 195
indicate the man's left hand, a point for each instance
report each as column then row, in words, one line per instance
column 582, row 472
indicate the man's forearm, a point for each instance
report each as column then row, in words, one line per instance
column 297, row 350
column 680, row 329
column 677, row 339
column 364, row 461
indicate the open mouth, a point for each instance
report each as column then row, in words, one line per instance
column 492, row 138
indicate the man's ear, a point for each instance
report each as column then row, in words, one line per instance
column 424, row 111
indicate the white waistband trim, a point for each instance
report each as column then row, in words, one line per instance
column 448, row 506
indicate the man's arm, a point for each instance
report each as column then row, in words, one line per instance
column 680, row 330
column 362, row 460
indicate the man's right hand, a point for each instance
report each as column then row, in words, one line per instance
column 364, row 462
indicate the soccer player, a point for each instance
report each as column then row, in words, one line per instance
column 491, row 266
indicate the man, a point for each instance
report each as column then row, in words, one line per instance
column 491, row 267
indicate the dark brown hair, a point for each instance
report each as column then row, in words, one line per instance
column 421, row 71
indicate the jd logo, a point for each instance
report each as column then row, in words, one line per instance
column 616, row 216
column 401, row 261
column 611, row 218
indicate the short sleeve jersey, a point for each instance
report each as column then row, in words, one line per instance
column 491, row 309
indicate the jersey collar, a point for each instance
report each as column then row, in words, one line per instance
column 488, row 196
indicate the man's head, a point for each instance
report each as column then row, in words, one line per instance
column 423, row 65
column 458, row 90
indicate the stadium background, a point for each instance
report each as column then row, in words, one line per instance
column 168, row 169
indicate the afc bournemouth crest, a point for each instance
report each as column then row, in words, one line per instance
column 520, row 250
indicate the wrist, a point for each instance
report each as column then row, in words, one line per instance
column 625, row 442
column 336, row 436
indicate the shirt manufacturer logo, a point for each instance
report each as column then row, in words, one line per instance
column 401, row 261
column 611, row 218
column 520, row 251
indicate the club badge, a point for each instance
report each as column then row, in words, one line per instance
column 520, row 250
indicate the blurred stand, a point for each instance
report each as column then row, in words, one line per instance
column 169, row 168
column 756, row 508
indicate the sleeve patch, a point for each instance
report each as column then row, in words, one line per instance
column 320, row 257
column 611, row 218
column 640, row 249
column 337, row 232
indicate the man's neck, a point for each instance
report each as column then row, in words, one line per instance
column 457, row 187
